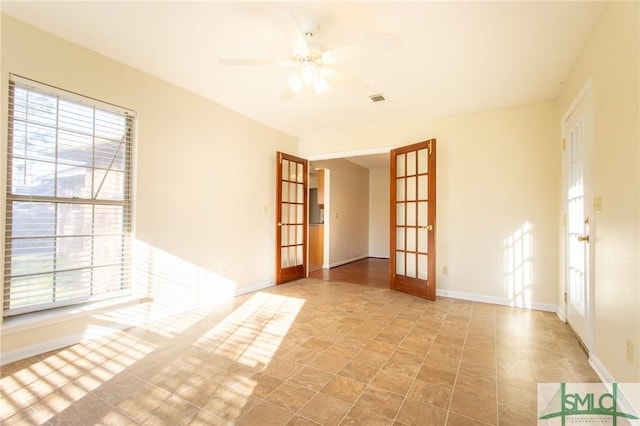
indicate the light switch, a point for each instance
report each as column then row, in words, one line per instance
column 597, row 204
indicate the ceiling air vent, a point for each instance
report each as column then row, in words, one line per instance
column 377, row 98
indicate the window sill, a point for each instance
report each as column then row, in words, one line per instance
column 54, row 316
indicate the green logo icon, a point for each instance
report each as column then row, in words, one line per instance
column 586, row 403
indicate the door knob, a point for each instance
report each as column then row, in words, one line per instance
column 583, row 238
column 428, row 227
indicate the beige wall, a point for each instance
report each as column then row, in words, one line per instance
column 379, row 213
column 498, row 176
column 347, row 214
column 610, row 59
column 204, row 183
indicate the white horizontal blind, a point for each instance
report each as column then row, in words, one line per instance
column 69, row 199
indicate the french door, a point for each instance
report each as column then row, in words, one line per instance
column 291, row 217
column 412, row 265
column 577, row 199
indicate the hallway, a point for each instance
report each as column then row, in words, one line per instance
column 371, row 272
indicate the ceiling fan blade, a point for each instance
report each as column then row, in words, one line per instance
column 289, row 26
column 240, row 62
column 366, row 47
column 287, row 93
column 345, row 80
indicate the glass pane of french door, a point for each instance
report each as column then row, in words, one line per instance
column 411, row 213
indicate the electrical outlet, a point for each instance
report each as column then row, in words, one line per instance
column 630, row 351
column 445, row 270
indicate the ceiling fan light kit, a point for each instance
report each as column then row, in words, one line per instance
column 313, row 63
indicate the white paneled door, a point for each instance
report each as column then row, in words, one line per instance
column 577, row 199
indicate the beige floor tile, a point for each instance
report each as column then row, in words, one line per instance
column 283, row 368
column 457, row 342
column 418, row 344
column 484, row 386
column 359, row 416
column 203, row 418
column 265, row 414
column 230, row 408
column 382, row 402
column 301, row 355
column 473, row 406
column 444, row 357
column 344, row 349
column 60, row 409
column 344, row 389
column 518, row 395
column 381, row 346
column 370, row 358
column 329, row 362
column 407, row 369
column 311, row 378
column 358, row 371
column 432, row 374
column 263, row 384
column 325, row 409
column 433, row 394
column 476, row 370
column 172, row 411
column 392, row 382
column 27, row 416
column 290, row 397
column 301, row 421
column 456, row 419
column 317, row 344
column 512, row 415
column 418, row 413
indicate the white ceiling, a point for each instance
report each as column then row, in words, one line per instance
column 448, row 57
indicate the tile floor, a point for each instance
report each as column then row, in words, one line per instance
column 305, row 353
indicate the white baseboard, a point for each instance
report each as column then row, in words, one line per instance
column 560, row 313
column 496, row 300
column 344, row 262
column 254, row 287
column 600, row 369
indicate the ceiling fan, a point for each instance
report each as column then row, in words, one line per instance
column 314, row 65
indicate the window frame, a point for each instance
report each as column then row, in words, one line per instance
column 125, row 228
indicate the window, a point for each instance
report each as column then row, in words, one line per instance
column 68, row 201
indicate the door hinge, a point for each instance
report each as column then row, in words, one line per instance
column 564, row 220
column 565, row 297
column 564, row 144
column 429, row 147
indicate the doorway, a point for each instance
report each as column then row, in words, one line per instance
column 318, row 204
